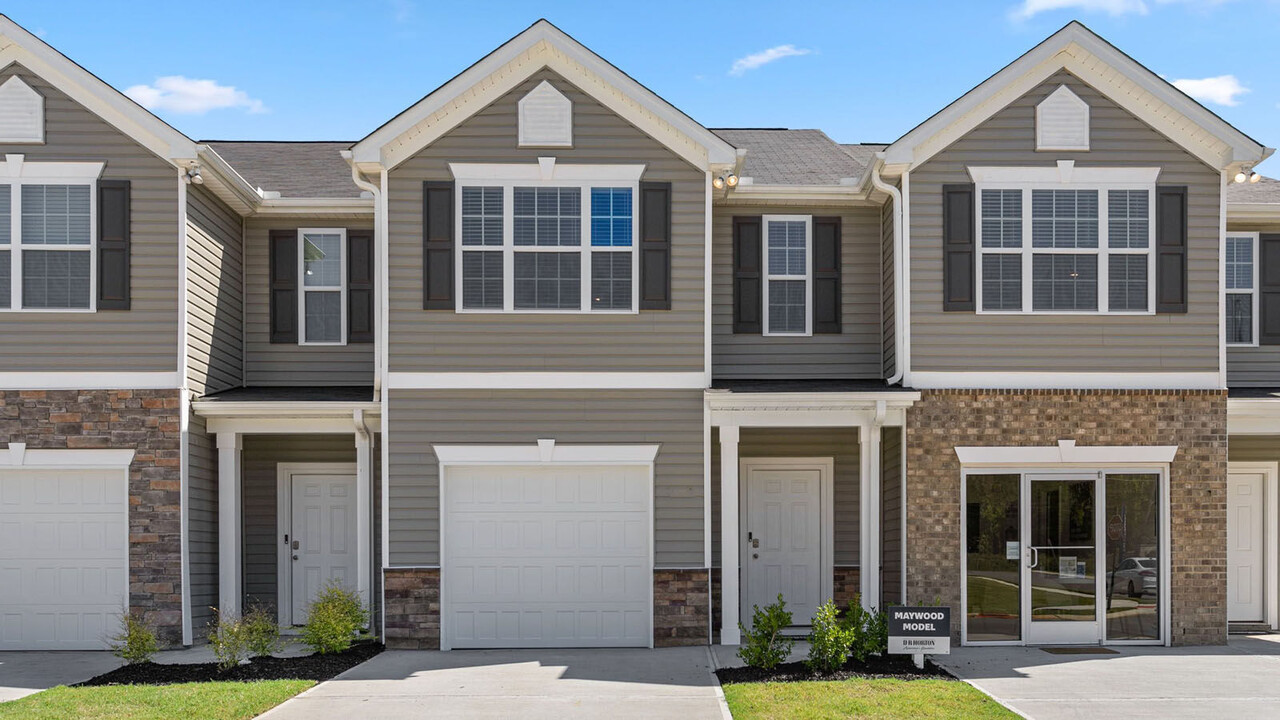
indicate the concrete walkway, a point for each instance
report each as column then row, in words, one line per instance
column 1240, row 680
column 618, row 684
column 24, row 673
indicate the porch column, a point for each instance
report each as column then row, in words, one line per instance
column 869, row 522
column 230, row 587
column 729, row 634
column 364, row 516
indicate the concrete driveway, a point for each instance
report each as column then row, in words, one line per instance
column 1240, row 680
column 618, row 684
column 24, row 673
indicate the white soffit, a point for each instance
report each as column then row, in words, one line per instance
column 542, row 45
column 1123, row 80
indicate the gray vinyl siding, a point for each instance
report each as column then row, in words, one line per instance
column 838, row 443
column 215, row 301
column 891, row 515
column 1253, row 366
column 202, row 522
column 965, row 341
column 889, row 352
column 144, row 338
column 289, row 363
column 262, row 453
column 445, row 341
column 854, row 353
column 419, row 419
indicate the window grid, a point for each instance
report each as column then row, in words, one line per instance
column 50, row 257
column 788, row 263
column 1241, row 312
column 322, row 296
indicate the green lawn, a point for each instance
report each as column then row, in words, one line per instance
column 190, row 701
column 890, row 699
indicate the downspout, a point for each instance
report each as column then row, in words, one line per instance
column 378, row 239
column 899, row 360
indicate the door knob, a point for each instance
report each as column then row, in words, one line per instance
column 754, row 556
column 295, row 557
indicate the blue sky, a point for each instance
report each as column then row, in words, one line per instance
column 861, row 71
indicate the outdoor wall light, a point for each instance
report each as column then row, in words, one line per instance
column 193, row 176
column 1247, row 174
column 720, row 182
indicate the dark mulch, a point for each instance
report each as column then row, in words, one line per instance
column 310, row 667
column 893, row 666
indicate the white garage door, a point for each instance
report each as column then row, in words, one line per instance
column 63, row 557
column 546, row 557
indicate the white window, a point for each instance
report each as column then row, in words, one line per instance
column 1242, row 288
column 322, row 304
column 788, row 264
column 557, row 239
column 1064, row 248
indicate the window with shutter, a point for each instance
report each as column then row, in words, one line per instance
column 788, row 265
column 1241, row 313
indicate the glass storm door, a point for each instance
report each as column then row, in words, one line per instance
column 1060, row 565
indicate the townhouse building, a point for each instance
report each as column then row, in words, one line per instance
column 544, row 362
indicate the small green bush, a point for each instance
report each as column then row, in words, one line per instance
column 261, row 632
column 870, row 630
column 764, row 646
column 333, row 619
column 228, row 637
column 829, row 640
column 135, row 642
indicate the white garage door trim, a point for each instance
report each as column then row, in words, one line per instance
column 545, row 453
column 113, row 461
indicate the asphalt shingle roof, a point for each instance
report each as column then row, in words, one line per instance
column 796, row 157
column 294, row 169
column 1266, row 190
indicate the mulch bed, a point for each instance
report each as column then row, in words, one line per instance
column 899, row 667
column 310, row 667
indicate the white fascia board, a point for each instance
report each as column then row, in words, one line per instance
column 1063, row 50
column 478, row 85
column 90, row 381
column 283, row 425
column 797, row 192
column 222, row 408
column 1066, row 380
column 695, row 380
column 18, row 45
column 1063, row 172
column 725, row 400
column 546, row 452
column 18, row 456
column 535, row 172
column 1067, row 453
column 359, row 206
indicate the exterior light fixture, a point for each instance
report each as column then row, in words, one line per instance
column 1254, row 177
column 718, row 182
column 731, row 180
column 1241, row 176
column 193, row 176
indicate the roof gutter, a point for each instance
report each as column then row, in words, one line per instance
column 899, row 347
column 379, row 240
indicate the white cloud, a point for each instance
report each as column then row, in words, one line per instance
column 1115, row 8
column 764, row 57
column 1220, row 90
column 187, row 96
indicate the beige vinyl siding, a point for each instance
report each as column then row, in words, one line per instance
column 965, row 341
column 838, row 443
column 268, row 363
column 420, row 419
column 215, row 301
column 854, row 353
column 445, row 341
column 1253, row 366
column 144, row 338
column 202, row 522
column 888, row 311
column 891, row 515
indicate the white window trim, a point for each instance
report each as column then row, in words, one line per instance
column 768, row 276
column 303, row 289
column 16, row 173
column 1066, row 452
column 1253, row 291
column 546, row 452
column 1065, row 176
column 546, row 173
column 18, row 456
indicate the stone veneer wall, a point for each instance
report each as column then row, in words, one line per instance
column 1194, row 420
column 412, row 608
column 681, row 607
column 149, row 422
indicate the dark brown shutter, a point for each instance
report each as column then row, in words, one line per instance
column 113, row 245
column 1269, row 290
column 437, row 245
column 826, row 275
column 284, row 286
column 1171, row 249
column 958, row 249
column 359, row 286
column 655, row 246
column 746, row 274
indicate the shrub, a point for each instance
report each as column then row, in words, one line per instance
column 229, row 640
column 135, row 642
column 261, row 632
column 764, row 646
column 829, row 640
column 333, row 619
column 869, row 628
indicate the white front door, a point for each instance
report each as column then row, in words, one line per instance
column 323, row 542
column 782, row 552
column 1246, row 556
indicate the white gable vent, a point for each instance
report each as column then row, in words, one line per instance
column 546, row 118
column 1062, row 121
column 21, row 113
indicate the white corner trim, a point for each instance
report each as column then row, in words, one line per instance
column 694, row 380
column 90, row 380
column 546, row 172
column 1064, row 172
column 1066, row 452
column 546, row 452
column 1068, row 380
column 20, row 456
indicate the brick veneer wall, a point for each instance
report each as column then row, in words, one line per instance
column 1194, row 420
column 412, row 609
column 845, row 586
column 148, row 422
column 681, row 607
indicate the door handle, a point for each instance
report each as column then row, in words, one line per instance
column 295, row 557
column 1035, row 557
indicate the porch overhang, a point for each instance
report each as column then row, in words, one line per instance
column 808, row 409
column 286, row 417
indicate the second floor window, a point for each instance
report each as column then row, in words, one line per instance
column 46, row 246
column 788, row 267
column 322, row 301
column 1242, row 288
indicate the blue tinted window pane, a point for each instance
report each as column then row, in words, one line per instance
column 611, row 217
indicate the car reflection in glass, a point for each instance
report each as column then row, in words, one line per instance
column 1135, row 576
